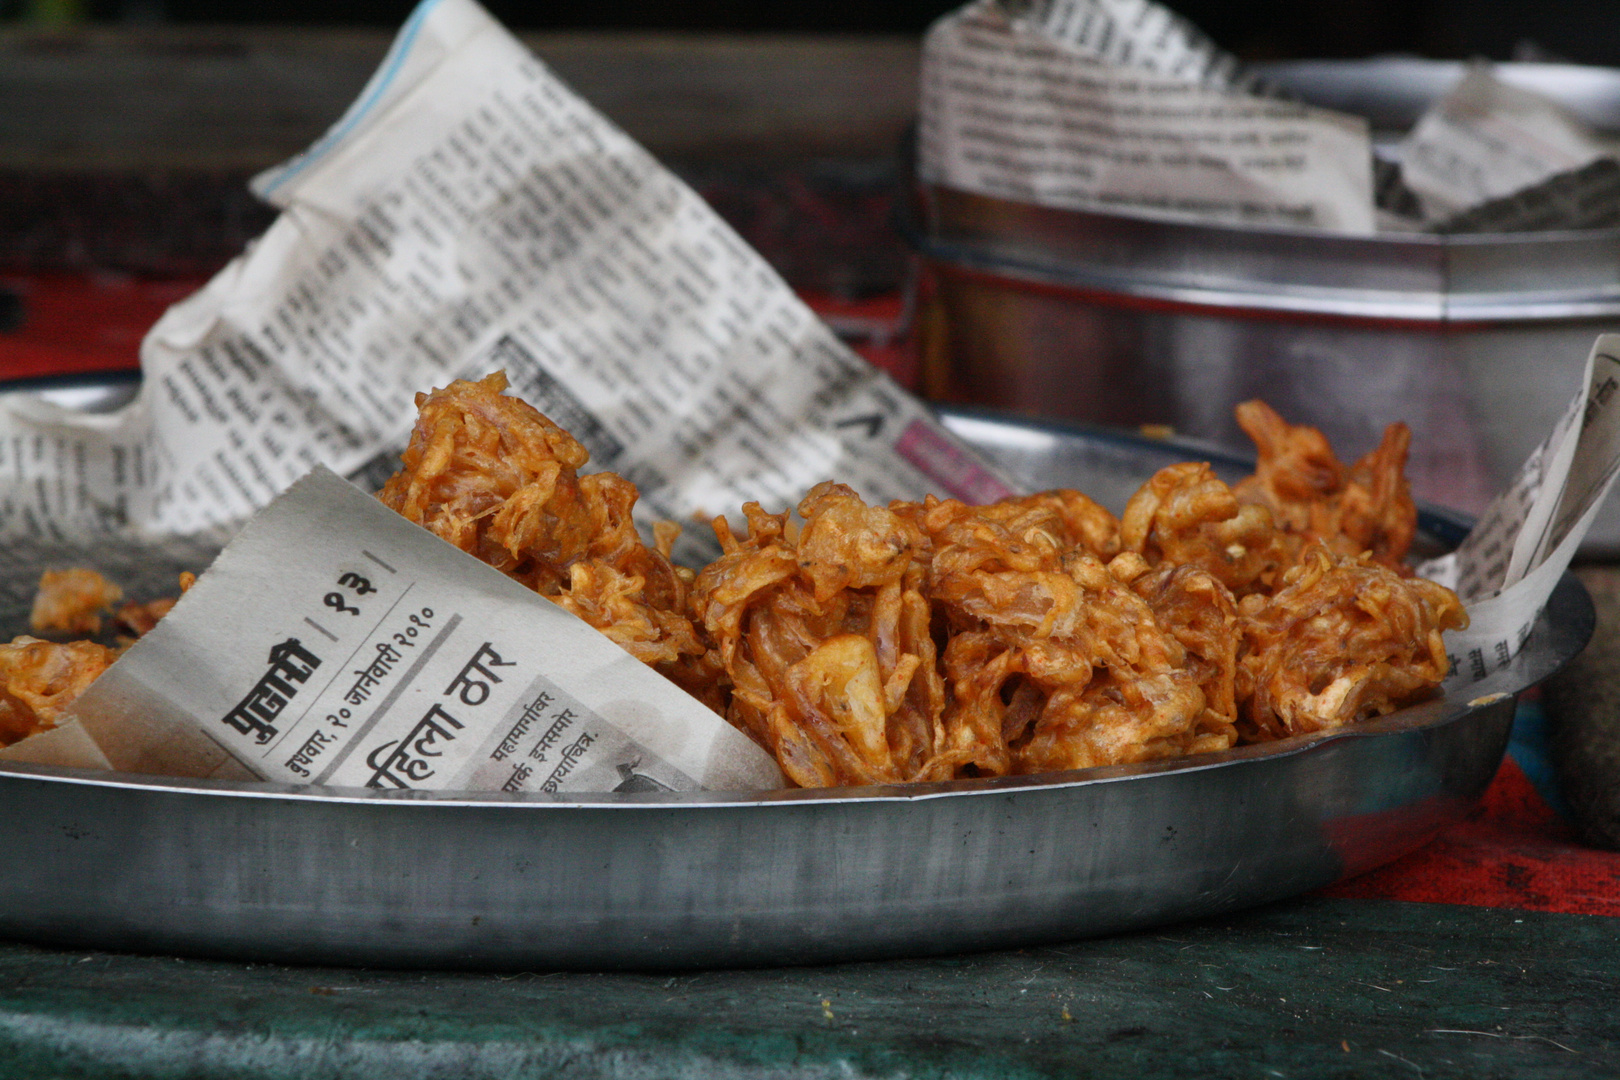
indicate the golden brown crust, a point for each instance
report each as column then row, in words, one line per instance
column 39, row 680
column 493, row 476
column 72, row 602
column 865, row 644
column 1343, row 639
column 1313, row 497
column 825, row 638
column 1053, row 661
column 1186, row 516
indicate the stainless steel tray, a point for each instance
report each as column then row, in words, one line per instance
column 269, row 872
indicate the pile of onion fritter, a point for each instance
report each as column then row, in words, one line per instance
column 925, row 640
column 934, row 640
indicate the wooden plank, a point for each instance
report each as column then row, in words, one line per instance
column 216, row 98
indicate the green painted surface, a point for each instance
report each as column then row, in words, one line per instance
column 1316, row 988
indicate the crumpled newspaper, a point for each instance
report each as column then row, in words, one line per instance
column 1118, row 105
column 471, row 213
column 1490, row 156
column 1122, row 106
column 1521, row 545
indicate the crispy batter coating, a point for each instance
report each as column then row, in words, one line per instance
column 40, row 679
column 497, row 479
column 1052, row 661
column 1200, row 613
column 135, row 620
column 980, row 551
column 1376, row 511
column 1186, row 516
column 924, row 641
column 494, row 477
column 1314, row 498
column 824, row 634
column 1343, row 639
column 72, row 602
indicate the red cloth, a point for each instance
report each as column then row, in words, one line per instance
column 75, row 324
column 1513, row 851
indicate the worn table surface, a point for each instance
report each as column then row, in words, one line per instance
column 1312, row 988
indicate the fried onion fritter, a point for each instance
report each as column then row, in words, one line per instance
column 493, row 476
column 1186, row 516
column 39, row 680
column 928, row 640
column 1053, row 662
column 72, row 602
column 924, row 641
column 1313, row 497
column 1343, row 639
column 825, row 636
column 1200, row 613
column 137, row 620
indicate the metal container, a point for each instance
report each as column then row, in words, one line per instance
column 1476, row 341
column 665, row 880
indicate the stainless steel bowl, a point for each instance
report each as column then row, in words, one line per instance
column 1476, row 341
column 272, row 872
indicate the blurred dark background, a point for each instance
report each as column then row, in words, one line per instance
column 129, row 128
column 1587, row 31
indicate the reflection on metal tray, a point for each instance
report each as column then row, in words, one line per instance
column 646, row 880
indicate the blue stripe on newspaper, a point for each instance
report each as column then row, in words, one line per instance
column 407, row 38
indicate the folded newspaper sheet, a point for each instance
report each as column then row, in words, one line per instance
column 390, row 659
column 1585, row 197
column 1487, row 139
column 1122, row 106
column 1513, row 557
column 471, row 213
column 1117, row 105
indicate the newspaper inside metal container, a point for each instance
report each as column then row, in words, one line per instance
column 1121, row 106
